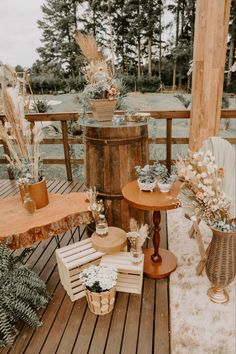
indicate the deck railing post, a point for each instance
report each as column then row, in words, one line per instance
column 168, row 143
column 66, row 150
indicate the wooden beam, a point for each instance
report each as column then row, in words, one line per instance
column 211, row 28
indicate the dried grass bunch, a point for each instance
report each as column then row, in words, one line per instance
column 101, row 84
column 202, row 192
column 22, row 141
column 96, row 206
column 137, row 235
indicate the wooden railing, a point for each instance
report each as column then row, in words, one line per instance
column 66, row 140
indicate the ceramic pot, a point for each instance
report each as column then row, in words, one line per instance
column 38, row 192
column 103, row 109
column 147, row 186
column 101, row 303
column 164, row 187
column 221, row 264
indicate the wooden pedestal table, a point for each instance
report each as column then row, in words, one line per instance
column 158, row 262
column 115, row 241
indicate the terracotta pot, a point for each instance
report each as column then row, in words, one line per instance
column 103, row 109
column 221, row 264
column 101, row 303
column 38, row 192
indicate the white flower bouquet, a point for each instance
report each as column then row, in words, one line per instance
column 98, row 278
column 202, row 191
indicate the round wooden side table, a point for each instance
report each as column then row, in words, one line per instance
column 158, row 262
column 115, row 241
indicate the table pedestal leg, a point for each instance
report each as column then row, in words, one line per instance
column 158, row 262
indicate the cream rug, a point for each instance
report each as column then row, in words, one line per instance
column 198, row 326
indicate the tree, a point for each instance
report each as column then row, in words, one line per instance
column 59, row 27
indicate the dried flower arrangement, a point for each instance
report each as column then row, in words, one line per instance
column 96, row 206
column 137, row 235
column 22, row 141
column 100, row 81
column 98, row 278
column 202, row 191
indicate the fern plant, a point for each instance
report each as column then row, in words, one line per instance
column 22, row 293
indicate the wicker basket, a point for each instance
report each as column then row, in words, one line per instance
column 101, row 303
column 221, row 264
column 103, row 109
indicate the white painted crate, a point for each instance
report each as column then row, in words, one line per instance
column 71, row 260
column 130, row 275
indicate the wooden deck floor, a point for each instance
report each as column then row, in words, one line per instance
column 138, row 324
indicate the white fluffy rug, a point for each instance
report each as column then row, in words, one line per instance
column 198, row 326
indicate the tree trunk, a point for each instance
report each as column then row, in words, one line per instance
column 160, row 45
column 139, row 59
column 176, row 43
column 231, row 58
column 149, row 56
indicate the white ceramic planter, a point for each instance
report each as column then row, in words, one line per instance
column 164, row 187
column 147, row 187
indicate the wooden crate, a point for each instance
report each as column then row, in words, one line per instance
column 130, row 275
column 71, row 261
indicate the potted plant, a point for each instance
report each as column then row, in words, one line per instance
column 147, row 177
column 165, row 179
column 23, row 293
column 100, row 288
column 136, row 237
column 23, row 144
column 202, row 194
column 102, row 88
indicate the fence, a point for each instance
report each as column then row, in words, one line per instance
column 66, row 140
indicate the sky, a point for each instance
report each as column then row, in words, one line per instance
column 19, row 34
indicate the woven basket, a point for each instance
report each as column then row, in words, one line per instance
column 103, row 109
column 101, row 303
column 221, row 261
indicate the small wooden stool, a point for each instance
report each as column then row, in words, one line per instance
column 115, row 241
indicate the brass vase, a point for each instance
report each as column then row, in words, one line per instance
column 221, row 264
column 38, row 192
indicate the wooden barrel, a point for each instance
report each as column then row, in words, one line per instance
column 111, row 153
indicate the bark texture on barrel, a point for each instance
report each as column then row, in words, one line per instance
column 111, row 153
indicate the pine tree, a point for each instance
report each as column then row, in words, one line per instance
column 59, row 27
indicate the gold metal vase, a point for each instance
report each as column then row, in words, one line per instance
column 221, row 264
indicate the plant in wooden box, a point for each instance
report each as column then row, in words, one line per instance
column 23, row 145
column 202, row 194
column 22, row 294
column 100, row 288
column 102, row 88
column 137, row 236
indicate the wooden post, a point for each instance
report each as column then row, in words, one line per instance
column 211, row 28
column 168, row 143
column 66, row 150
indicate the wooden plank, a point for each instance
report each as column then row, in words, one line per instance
column 72, row 327
column 161, row 317
column 82, row 342
column 100, row 334
column 168, row 143
column 66, row 150
column 114, row 341
column 130, row 337
column 145, row 339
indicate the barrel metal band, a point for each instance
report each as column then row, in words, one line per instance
column 123, row 141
